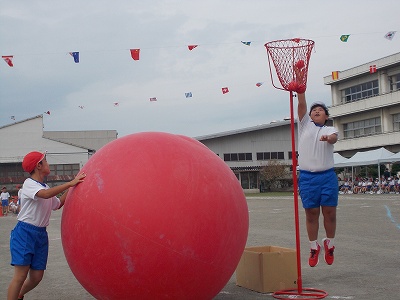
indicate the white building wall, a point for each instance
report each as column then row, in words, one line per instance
column 276, row 138
column 20, row 138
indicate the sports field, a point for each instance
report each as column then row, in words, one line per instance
column 367, row 255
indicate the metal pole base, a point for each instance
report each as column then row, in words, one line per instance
column 304, row 294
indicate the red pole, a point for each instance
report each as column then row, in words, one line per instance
column 295, row 198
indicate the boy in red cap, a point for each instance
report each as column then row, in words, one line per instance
column 29, row 241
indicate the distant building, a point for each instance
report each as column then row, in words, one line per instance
column 247, row 150
column 366, row 106
column 67, row 152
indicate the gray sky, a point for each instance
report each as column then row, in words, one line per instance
column 40, row 34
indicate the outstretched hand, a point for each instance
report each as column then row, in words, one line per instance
column 78, row 179
column 300, row 72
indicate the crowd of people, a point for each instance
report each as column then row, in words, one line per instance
column 360, row 185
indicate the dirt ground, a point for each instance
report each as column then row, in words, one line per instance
column 367, row 256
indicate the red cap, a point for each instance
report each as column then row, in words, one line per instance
column 31, row 160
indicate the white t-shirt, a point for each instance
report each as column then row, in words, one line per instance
column 35, row 210
column 314, row 155
column 4, row 196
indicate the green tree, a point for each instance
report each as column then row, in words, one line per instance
column 274, row 174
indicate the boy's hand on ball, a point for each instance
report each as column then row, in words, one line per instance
column 78, row 179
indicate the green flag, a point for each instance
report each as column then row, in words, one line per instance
column 344, row 37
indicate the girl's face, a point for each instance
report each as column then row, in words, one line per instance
column 318, row 115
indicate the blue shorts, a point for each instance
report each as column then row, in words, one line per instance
column 318, row 188
column 29, row 246
column 4, row 202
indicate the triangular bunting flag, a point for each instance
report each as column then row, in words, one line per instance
column 75, row 55
column 344, row 37
column 81, row 106
column 8, row 59
column 153, row 99
column 135, row 54
column 246, row 43
column 390, row 35
column 47, row 112
column 225, row 90
column 116, row 103
column 258, row 84
column 188, row 95
column 191, row 47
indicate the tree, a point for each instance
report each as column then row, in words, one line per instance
column 274, row 174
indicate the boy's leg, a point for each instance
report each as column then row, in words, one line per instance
column 312, row 223
column 329, row 213
column 20, row 274
column 35, row 276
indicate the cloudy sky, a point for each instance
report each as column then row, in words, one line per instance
column 40, row 35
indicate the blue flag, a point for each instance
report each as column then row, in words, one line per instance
column 75, row 55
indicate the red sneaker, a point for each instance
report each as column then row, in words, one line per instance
column 314, row 253
column 328, row 252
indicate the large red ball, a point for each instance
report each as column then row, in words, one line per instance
column 159, row 216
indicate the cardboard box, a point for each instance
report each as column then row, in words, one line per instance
column 267, row 269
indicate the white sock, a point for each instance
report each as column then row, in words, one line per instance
column 314, row 244
column 330, row 242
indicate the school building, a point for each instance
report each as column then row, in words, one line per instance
column 365, row 109
column 67, row 151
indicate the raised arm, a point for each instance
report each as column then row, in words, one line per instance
column 301, row 106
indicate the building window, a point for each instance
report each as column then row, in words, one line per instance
column 249, row 180
column 67, row 169
column 270, row 155
column 360, row 91
column 238, row 156
column 362, row 128
column 395, row 83
column 396, row 122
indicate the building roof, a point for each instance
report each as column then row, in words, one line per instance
column 382, row 63
column 21, row 121
column 243, row 130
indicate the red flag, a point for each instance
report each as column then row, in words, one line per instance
column 372, row 69
column 8, row 59
column 47, row 112
column 225, row 90
column 135, row 54
column 191, row 47
column 116, row 103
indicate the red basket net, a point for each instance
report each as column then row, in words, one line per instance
column 290, row 59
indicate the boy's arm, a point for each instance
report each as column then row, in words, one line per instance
column 331, row 139
column 301, row 106
column 55, row 190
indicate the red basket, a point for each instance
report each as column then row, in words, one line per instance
column 290, row 59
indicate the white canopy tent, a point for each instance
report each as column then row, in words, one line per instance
column 338, row 159
column 394, row 158
column 366, row 158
